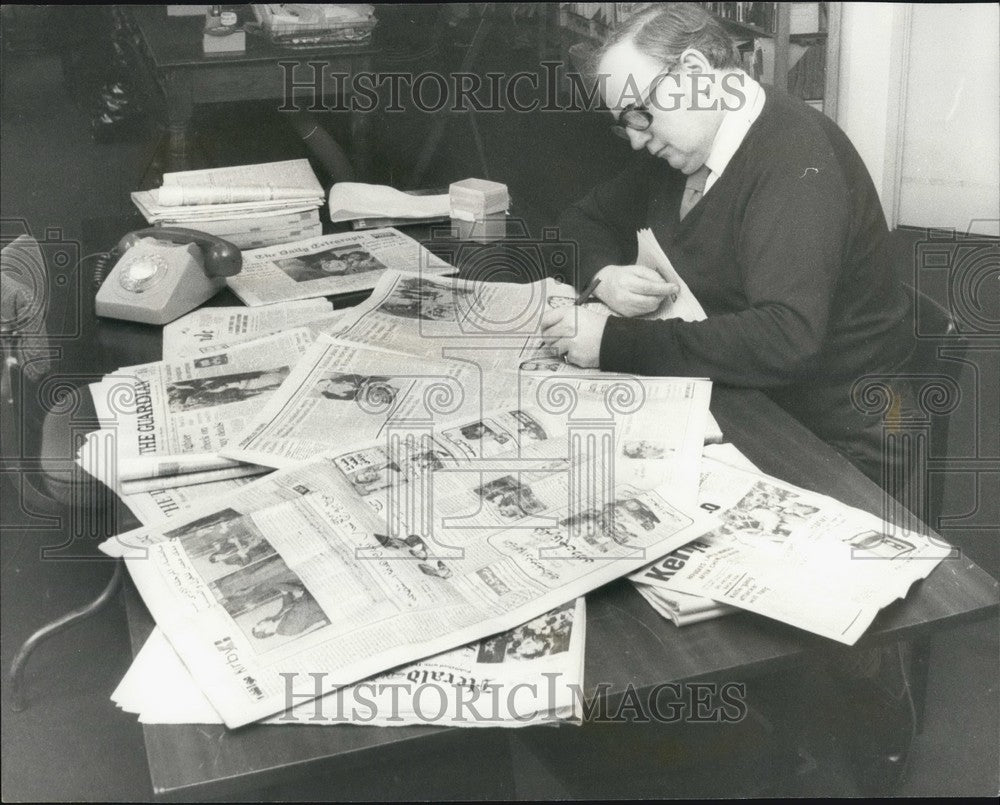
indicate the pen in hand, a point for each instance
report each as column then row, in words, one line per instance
column 588, row 292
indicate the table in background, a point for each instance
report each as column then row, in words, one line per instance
column 628, row 643
column 173, row 48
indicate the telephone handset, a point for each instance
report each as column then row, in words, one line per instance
column 165, row 272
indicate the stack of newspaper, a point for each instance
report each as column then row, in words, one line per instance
column 251, row 206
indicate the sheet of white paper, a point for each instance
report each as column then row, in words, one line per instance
column 353, row 200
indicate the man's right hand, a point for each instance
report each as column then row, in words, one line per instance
column 632, row 290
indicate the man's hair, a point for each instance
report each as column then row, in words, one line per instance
column 665, row 30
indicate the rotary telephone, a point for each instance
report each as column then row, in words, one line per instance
column 163, row 273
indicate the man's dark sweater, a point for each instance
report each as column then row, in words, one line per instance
column 784, row 253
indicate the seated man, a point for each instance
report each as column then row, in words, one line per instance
column 765, row 210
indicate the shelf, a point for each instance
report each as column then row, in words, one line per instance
column 744, row 27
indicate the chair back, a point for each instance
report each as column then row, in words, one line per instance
column 936, row 378
column 27, row 358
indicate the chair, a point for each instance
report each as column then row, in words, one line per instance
column 935, row 376
column 38, row 452
column 917, row 444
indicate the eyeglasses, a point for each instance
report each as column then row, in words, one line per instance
column 636, row 116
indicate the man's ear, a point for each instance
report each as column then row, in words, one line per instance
column 694, row 61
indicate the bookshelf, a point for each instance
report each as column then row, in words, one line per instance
column 793, row 46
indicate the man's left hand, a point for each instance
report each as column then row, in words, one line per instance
column 576, row 334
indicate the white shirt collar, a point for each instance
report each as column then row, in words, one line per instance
column 733, row 129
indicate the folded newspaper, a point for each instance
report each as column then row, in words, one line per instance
column 528, row 675
column 164, row 422
column 796, row 556
column 681, row 608
column 330, row 264
column 349, row 201
column 167, row 420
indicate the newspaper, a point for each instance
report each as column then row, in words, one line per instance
column 491, row 324
column 254, row 588
column 682, row 306
column 528, row 463
column 682, row 608
column 796, row 556
column 170, row 416
column 528, row 675
column 494, row 324
column 331, row 264
column 343, row 394
column 206, row 328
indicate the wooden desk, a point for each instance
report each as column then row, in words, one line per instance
column 172, row 47
column 627, row 642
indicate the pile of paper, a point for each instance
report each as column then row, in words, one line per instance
column 251, row 206
column 410, row 491
column 320, row 567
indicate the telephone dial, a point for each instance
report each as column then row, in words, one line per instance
column 163, row 273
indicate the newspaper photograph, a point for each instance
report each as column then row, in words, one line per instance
column 330, row 264
column 206, row 328
column 166, row 416
column 316, row 584
column 796, row 556
column 528, row 675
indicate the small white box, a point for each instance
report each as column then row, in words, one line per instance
column 473, row 199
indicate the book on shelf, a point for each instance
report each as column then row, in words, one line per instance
column 760, row 15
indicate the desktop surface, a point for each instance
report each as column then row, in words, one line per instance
column 628, row 643
column 176, row 42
